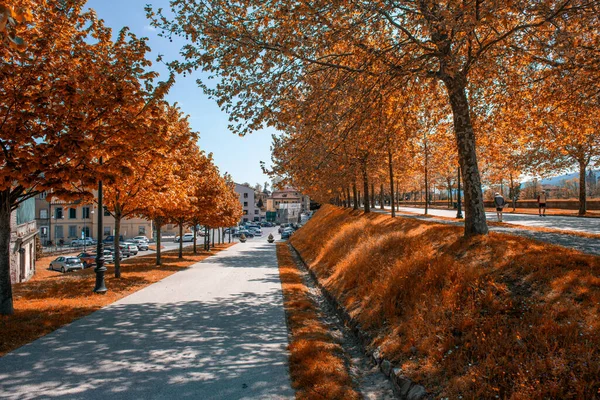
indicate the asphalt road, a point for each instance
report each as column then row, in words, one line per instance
column 214, row 331
column 588, row 225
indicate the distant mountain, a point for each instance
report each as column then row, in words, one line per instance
column 558, row 179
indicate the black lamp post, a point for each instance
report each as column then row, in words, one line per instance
column 100, row 268
column 459, row 213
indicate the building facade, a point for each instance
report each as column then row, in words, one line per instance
column 288, row 196
column 23, row 234
column 249, row 210
column 59, row 222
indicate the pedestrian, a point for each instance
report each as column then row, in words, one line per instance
column 499, row 202
column 542, row 198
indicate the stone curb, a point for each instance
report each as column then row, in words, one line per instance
column 404, row 388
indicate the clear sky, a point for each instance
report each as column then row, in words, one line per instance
column 240, row 156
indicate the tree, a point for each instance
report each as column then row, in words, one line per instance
column 455, row 43
column 45, row 124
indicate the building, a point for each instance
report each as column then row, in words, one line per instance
column 288, row 196
column 59, row 222
column 23, row 234
column 249, row 210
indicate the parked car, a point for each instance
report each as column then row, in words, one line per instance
column 88, row 259
column 256, row 231
column 187, row 237
column 282, row 227
column 111, row 239
column 83, row 242
column 141, row 239
column 286, row 233
column 246, row 232
column 65, row 264
column 110, row 252
column 141, row 244
column 130, row 248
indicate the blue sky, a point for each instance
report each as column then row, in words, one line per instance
column 240, row 156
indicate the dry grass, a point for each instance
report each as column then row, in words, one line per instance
column 316, row 366
column 491, row 316
column 52, row 299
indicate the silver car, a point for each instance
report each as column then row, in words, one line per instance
column 141, row 244
column 65, row 264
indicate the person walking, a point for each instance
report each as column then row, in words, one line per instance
column 499, row 202
column 542, row 198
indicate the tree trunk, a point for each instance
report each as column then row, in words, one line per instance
column 180, row 239
column 372, row 195
column 582, row 188
column 6, row 299
column 381, row 200
column 426, row 184
column 195, row 236
column 366, row 186
column 513, row 196
column 355, row 193
column 158, row 241
column 117, row 242
column 348, row 196
column 392, row 194
column 475, row 221
column 213, row 239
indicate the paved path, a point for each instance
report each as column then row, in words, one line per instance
column 578, row 224
column 214, row 331
column 583, row 244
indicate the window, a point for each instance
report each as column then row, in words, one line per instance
column 106, row 231
column 245, row 219
column 43, row 195
column 245, row 195
column 245, row 212
column 44, row 231
column 72, row 213
column 245, row 204
column 106, row 212
column 72, row 231
column 58, row 232
column 58, row 213
column 255, row 211
column 86, row 213
column 141, row 230
column 86, row 232
column 44, row 214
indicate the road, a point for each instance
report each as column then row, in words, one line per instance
column 214, row 331
column 587, row 225
column 564, row 225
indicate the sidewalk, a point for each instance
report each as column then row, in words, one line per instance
column 214, row 331
column 562, row 223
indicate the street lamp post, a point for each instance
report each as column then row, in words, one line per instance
column 100, row 268
column 459, row 213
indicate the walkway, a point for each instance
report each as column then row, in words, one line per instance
column 566, row 224
column 214, row 331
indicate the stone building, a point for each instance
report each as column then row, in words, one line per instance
column 60, row 222
column 22, row 242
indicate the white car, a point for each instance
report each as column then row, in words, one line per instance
column 141, row 238
column 187, row 237
column 82, row 242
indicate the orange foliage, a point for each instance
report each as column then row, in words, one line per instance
column 489, row 316
column 316, row 368
column 52, row 299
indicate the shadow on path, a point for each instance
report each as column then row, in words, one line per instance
column 230, row 346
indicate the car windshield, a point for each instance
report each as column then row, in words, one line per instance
column 72, row 260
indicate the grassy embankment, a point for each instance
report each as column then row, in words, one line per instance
column 491, row 316
column 316, row 365
column 51, row 299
